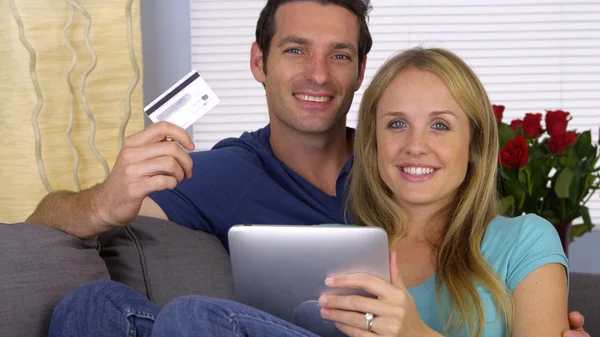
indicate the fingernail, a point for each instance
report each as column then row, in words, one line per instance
column 329, row 281
column 324, row 312
column 322, row 300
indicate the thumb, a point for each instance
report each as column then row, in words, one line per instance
column 575, row 320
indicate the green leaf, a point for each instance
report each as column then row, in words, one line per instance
column 506, row 203
column 577, row 231
column 563, row 183
column 519, row 210
column 551, row 216
column 583, row 144
column 569, row 157
column 505, row 133
column 572, row 159
column 574, row 189
column 585, row 215
column 504, row 172
column 522, row 177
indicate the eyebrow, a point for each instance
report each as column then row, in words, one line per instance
column 294, row 40
column 431, row 114
column 305, row 42
column 347, row 46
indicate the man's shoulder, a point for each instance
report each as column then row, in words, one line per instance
column 249, row 148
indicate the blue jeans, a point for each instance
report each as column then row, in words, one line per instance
column 108, row 308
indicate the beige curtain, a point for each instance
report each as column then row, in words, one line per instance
column 112, row 91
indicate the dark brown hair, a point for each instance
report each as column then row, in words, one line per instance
column 265, row 27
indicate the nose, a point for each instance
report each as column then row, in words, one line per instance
column 317, row 69
column 417, row 143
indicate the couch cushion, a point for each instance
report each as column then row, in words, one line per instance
column 163, row 260
column 38, row 265
column 584, row 295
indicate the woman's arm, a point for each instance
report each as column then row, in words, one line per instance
column 540, row 303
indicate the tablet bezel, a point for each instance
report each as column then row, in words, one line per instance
column 278, row 267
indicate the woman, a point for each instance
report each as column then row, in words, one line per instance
column 425, row 152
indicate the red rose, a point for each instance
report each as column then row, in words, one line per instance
column 515, row 153
column 532, row 125
column 498, row 110
column 515, row 124
column 556, row 122
column 559, row 143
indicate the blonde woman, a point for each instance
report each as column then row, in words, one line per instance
column 424, row 169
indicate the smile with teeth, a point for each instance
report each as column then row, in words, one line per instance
column 320, row 99
column 418, row 171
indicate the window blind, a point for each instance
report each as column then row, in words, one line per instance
column 531, row 55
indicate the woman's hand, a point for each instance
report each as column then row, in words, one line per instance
column 394, row 310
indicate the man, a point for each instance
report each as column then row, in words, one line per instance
column 310, row 56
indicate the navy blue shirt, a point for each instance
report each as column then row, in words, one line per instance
column 240, row 181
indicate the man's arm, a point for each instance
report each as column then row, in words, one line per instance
column 146, row 164
column 75, row 213
column 152, row 209
column 78, row 213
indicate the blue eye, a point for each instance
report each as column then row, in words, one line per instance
column 440, row 126
column 293, row 51
column 396, row 124
column 341, row 57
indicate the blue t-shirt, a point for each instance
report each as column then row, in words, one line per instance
column 514, row 247
column 240, row 181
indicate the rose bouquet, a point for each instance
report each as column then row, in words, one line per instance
column 551, row 172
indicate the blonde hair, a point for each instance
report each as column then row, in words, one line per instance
column 459, row 266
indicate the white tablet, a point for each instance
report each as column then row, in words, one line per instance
column 281, row 269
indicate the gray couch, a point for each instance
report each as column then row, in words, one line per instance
column 161, row 260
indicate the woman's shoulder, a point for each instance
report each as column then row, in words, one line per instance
column 518, row 227
column 512, row 234
column 516, row 246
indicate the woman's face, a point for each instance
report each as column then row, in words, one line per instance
column 422, row 140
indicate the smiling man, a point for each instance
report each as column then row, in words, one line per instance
column 310, row 56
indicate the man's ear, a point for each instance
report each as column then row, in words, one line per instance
column 256, row 63
column 361, row 73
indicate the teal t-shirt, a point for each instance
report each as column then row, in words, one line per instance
column 514, row 247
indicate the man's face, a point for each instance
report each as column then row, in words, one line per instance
column 312, row 68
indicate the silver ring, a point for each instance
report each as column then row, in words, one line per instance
column 369, row 321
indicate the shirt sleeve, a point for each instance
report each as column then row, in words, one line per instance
column 537, row 244
column 205, row 201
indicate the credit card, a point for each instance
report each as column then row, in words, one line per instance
column 183, row 103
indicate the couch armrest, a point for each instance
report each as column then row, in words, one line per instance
column 38, row 266
column 584, row 296
column 163, row 260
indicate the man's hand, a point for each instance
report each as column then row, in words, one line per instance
column 576, row 325
column 146, row 163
